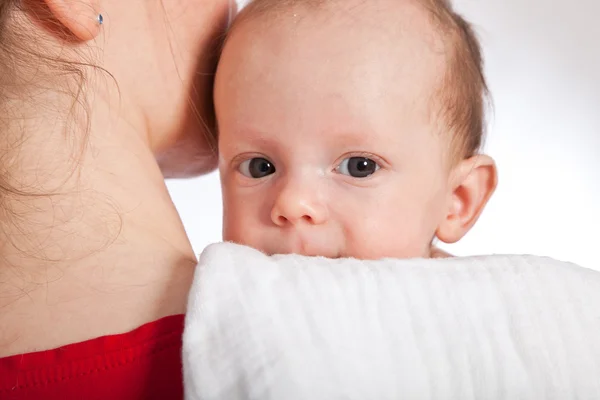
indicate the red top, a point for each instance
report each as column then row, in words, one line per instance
column 142, row 364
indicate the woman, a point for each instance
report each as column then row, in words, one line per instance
column 99, row 100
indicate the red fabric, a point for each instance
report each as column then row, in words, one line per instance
column 142, row 364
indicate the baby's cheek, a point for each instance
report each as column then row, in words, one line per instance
column 242, row 227
column 235, row 222
column 239, row 232
column 382, row 245
column 399, row 234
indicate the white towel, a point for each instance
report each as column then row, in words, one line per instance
column 292, row 327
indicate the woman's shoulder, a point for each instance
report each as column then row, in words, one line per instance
column 142, row 364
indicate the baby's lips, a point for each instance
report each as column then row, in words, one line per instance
column 315, row 248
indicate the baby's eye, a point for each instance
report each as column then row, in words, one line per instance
column 358, row 167
column 257, row 168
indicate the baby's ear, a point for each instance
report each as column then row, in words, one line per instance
column 472, row 181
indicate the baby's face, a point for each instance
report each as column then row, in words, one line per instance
column 326, row 137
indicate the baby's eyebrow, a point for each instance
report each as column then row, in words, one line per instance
column 350, row 137
column 245, row 132
column 246, row 138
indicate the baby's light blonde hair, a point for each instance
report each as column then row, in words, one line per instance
column 460, row 95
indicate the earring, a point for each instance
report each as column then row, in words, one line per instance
column 100, row 19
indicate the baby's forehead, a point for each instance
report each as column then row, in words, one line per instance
column 395, row 39
column 401, row 30
column 387, row 18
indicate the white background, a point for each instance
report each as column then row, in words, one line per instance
column 543, row 67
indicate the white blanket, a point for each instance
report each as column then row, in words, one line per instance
column 292, row 327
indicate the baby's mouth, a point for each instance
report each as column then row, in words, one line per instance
column 312, row 247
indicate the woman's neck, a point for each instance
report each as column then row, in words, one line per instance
column 90, row 242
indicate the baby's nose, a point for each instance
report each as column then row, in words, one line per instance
column 294, row 206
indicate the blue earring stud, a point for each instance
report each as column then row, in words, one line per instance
column 100, row 19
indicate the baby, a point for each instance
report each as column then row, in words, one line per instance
column 351, row 128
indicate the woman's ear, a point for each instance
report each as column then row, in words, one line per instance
column 473, row 181
column 79, row 17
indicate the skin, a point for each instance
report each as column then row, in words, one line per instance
column 314, row 88
column 102, row 249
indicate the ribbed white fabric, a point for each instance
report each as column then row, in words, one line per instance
column 292, row 327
